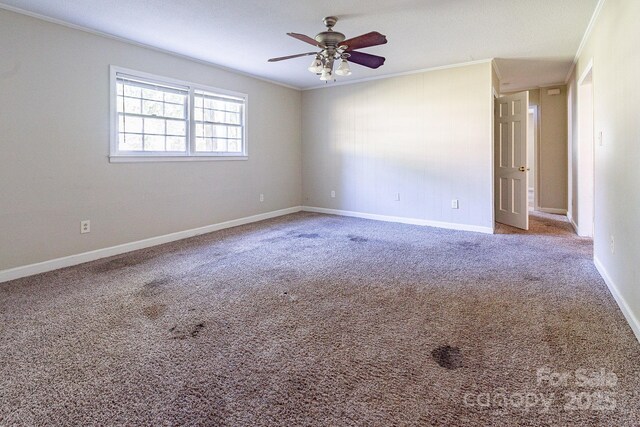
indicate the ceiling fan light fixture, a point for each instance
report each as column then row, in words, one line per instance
column 335, row 46
column 316, row 66
column 343, row 69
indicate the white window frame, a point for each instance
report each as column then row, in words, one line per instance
column 116, row 156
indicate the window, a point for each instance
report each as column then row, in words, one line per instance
column 156, row 118
column 219, row 123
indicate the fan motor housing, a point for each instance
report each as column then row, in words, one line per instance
column 330, row 38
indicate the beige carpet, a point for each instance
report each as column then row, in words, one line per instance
column 316, row 320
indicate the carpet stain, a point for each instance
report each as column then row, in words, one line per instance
column 117, row 264
column 192, row 332
column 358, row 239
column 196, row 329
column 155, row 311
column 448, row 357
column 532, row 279
column 153, row 288
column 469, row 245
column 308, row 235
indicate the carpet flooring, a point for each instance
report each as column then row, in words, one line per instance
column 318, row 320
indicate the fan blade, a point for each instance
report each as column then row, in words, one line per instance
column 304, row 38
column 282, row 58
column 373, row 38
column 366, row 59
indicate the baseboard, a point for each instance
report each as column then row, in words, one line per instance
column 400, row 219
column 54, row 264
column 553, row 211
column 572, row 222
column 622, row 303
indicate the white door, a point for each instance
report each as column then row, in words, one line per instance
column 511, row 187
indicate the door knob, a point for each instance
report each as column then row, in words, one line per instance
column 523, row 168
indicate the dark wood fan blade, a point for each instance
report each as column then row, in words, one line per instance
column 282, row 58
column 366, row 59
column 304, row 38
column 373, row 38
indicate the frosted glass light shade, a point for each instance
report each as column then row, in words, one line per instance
column 316, row 66
column 343, row 69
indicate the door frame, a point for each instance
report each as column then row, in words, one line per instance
column 586, row 224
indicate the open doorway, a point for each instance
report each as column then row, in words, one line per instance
column 584, row 169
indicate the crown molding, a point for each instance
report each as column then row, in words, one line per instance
column 585, row 37
column 494, row 64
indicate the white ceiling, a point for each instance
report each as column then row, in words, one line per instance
column 534, row 41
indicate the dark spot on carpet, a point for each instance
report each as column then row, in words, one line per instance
column 358, row 239
column 154, row 311
column 532, row 279
column 273, row 239
column 308, row 235
column 448, row 357
column 469, row 245
column 196, row 329
column 181, row 334
column 153, row 288
column 117, row 264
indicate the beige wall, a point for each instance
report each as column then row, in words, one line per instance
column 613, row 48
column 54, row 143
column 552, row 165
column 426, row 136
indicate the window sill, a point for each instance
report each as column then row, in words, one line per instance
column 147, row 159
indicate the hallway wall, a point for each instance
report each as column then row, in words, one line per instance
column 612, row 46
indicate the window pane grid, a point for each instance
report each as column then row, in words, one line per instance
column 152, row 117
column 219, row 126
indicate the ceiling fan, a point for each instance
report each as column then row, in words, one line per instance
column 334, row 47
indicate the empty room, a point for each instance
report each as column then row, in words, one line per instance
column 297, row 213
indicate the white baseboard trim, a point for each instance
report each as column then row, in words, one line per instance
column 624, row 307
column 553, row 211
column 54, row 264
column 403, row 220
column 573, row 223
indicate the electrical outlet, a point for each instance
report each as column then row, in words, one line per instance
column 85, row 226
column 397, row 197
column 454, row 204
column 333, row 194
column 612, row 244
column 262, row 197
